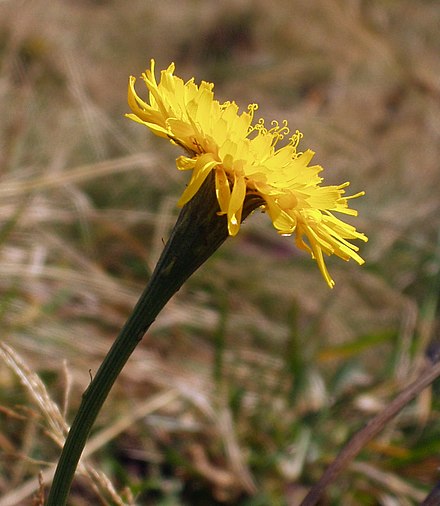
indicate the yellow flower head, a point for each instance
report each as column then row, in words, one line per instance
column 247, row 163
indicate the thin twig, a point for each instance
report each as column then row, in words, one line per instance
column 433, row 498
column 373, row 427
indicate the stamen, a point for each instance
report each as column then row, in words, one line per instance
column 259, row 128
column 252, row 108
column 295, row 139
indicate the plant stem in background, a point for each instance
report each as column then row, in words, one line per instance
column 373, row 427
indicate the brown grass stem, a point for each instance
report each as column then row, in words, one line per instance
column 367, row 433
column 433, row 498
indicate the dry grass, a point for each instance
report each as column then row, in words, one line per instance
column 255, row 374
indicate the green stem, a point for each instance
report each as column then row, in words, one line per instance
column 198, row 232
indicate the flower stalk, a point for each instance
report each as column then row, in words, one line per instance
column 197, row 234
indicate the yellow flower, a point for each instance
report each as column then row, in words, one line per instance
column 247, row 163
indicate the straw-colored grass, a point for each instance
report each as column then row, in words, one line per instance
column 256, row 374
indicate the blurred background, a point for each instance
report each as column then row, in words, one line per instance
column 256, row 373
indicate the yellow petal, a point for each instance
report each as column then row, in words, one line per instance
column 203, row 166
column 222, row 190
column 235, row 208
